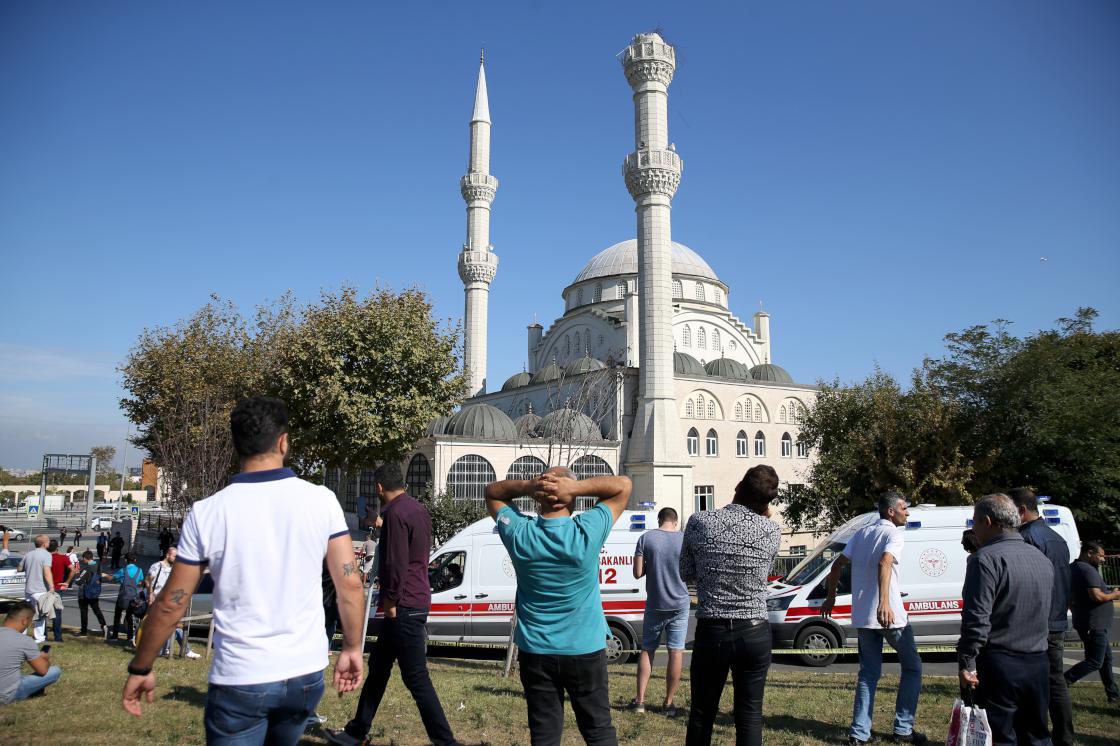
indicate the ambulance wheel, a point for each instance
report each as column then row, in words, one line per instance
column 619, row 641
column 817, row 637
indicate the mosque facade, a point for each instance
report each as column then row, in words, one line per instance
column 648, row 372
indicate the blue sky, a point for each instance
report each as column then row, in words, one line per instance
column 877, row 174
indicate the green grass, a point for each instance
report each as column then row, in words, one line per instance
column 810, row 707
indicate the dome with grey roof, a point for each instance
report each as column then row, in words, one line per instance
column 585, row 364
column 527, row 425
column 686, row 365
column 517, row 381
column 548, row 373
column 771, row 373
column 481, row 421
column 622, row 259
column 727, row 368
column 568, row 425
column 438, row 426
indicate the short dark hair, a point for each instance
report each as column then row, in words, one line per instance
column 888, row 500
column 87, row 555
column 256, row 423
column 1091, row 546
column 758, row 488
column 389, row 476
column 52, row 545
column 969, row 541
column 1024, row 497
column 20, row 608
column 665, row 515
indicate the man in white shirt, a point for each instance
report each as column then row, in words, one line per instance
column 877, row 615
column 264, row 537
column 155, row 580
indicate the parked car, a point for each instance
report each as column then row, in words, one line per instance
column 101, row 523
column 16, row 534
column 12, row 580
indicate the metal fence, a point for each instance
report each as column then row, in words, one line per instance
column 1110, row 570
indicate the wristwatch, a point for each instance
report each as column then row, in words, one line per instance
column 137, row 671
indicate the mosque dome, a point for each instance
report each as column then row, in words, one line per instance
column 585, row 364
column 622, row 259
column 517, row 381
column 481, row 421
column 527, row 425
column 686, row 365
column 438, row 426
column 568, row 425
column 771, row 373
column 727, row 368
column 548, row 373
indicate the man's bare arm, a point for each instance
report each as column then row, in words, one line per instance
column 639, row 566
column 500, row 494
column 347, row 580
column 831, row 583
column 884, row 614
column 613, row 491
column 166, row 611
column 41, row 664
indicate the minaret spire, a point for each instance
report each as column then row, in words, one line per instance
column 477, row 262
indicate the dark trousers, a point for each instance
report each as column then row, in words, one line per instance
column 546, row 678
column 84, row 605
column 1098, row 657
column 1015, row 690
column 743, row 648
column 402, row 640
column 332, row 619
column 117, row 611
column 116, row 561
column 1061, row 709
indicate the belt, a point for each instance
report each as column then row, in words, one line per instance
column 730, row 623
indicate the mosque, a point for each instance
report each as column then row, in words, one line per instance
column 647, row 373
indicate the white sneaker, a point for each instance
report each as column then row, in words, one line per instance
column 192, row 655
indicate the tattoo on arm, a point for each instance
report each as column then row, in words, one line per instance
column 176, row 596
column 348, row 568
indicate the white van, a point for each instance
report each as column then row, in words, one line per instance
column 474, row 585
column 931, row 573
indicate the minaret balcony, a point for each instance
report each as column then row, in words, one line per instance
column 652, row 172
column 649, row 59
column 477, row 266
column 477, row 186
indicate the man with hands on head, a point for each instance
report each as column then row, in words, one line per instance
column 264, row 538
column 561, row 631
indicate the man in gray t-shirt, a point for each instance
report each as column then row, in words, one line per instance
column 15, row 648
column 37, row 565
column 657, row 557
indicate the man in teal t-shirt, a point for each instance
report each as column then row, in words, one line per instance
column 560, row 626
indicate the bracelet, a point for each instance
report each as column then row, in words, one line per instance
column 137, row 671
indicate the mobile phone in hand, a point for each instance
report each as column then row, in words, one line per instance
column 45, row 649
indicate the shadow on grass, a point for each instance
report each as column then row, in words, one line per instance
column 192, row 696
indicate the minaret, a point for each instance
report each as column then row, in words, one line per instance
column 477, row 262
column 652, row 173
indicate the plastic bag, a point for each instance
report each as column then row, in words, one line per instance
column 979, row 732
column 958, row 724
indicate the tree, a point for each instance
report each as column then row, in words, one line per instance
column 449, row 516
column 362, row 377
column 105, row 456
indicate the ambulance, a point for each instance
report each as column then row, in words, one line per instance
column 474, row 586
column 931, row 573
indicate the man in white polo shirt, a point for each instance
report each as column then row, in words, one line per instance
column 264, row 537
column 877, row 615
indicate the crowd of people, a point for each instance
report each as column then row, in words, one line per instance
column 267, row 674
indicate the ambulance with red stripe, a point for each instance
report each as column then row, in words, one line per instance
column 474, row 586
column 931, row 573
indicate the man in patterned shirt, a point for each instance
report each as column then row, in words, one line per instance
column 729, row 552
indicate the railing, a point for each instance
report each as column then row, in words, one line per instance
column 1110, row 570
column 782, row 565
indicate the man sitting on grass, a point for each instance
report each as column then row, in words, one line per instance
column 15, row 648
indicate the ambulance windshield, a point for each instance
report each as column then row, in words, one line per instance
column 809, row 568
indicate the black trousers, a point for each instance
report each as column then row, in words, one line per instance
column 1015, row 691
column 741, row 647
column 1061, row 708
column 84, row 605
column 402, row 640
column 128, row 620
column 546, row 679
column 116, row 561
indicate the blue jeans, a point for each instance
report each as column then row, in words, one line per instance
column 871, row 667
column 1098, row 657
column 673, row 623
column 275, row 712
column 28, row 685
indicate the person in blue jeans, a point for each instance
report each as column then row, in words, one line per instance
column 1092, row 618
column 561, row 631
column 17, row 648
column 878, row 614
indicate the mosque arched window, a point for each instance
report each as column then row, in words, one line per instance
column 700, row 406
column 468, row 477
column 748, row 414
column 678, row 289
column 715, row 340
column 598, row 294
column 568, row 345
column 686, row 336
column 759, row 444
column 718, row 295
column 787, row 445
column 622, row 289
column 693, row 442
column 739, row 411
column 579, row 297
column 711, row 444
column 782, row 413
column 689, row 409
column 711, row 409
column 701, row 339
column 802, row 450
column 741, row 444
column 699, row 291
column 418, row 476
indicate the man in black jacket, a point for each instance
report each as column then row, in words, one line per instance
column 1045, row 539
column 1003, row 643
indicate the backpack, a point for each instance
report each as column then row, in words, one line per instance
column 130, row 587
column 91, row 586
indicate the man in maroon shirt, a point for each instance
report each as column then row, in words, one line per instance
column 62, row 571
column 406, row 597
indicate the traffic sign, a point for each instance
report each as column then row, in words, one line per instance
column 32, row 510
column 135, row 510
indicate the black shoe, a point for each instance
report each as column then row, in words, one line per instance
column 853, row 741
column 911, row 737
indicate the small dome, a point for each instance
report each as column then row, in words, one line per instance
column 527, row 425
column 547, row 373
column 686, row 365
column 481, row 421
column 516, row 381
column 438, row 426
column 568, row 425
column 771, row 373
column 585, row 364
column 728, row 368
